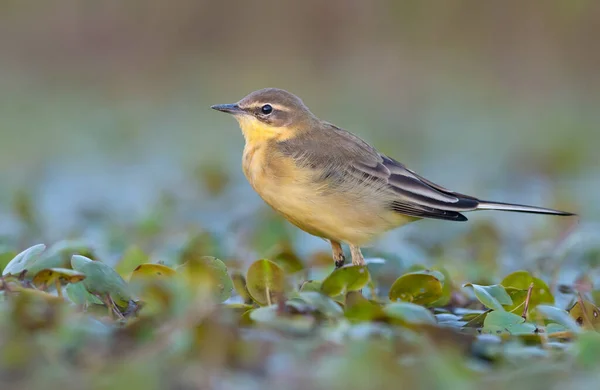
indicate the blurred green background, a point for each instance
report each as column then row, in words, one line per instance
column 105, row 106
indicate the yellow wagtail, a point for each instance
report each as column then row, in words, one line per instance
column 332, row 184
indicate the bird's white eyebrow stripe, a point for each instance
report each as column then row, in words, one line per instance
column 274, row 105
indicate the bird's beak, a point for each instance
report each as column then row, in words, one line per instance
column 228, row 108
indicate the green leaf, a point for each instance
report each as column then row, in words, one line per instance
column 447, row 287
column 587, row 347
column 78, row 261
column 417, row 287
column 132, row 258
column 521, row 280
column 239, row 285
column 503, row 322
column 225, row 284
column 311, row 285
column 409, row 313
column 59, row 255
column 198, row 269
column 360, row 309
column 101, row 280
column 322, row 303
column 559, row 316
column 492, row 297
column 269, row 316
column 23, row 260
column 347, row 278
column 265, row 282
column 78, row 294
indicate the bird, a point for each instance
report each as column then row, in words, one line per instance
column 334, row 185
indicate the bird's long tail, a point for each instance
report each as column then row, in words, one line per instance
column 485, row 205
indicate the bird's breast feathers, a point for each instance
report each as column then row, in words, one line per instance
column 306, row 198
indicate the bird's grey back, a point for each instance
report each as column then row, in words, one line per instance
column 347, row 163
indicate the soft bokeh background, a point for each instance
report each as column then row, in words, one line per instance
column 105, row 110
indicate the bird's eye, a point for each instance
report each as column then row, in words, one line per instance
column 266, row 109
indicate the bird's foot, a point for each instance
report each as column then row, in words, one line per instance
column 339, row 262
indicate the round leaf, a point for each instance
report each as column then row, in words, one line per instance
column 492, row 297
column 588, row 315
column 209, row 269
column 78, row 294
column 345, row 279
column 59, row 255
column 269, row 316
column 360, row 309
column 151, row 271
column 559, row 316
column 502, row 322
column 265, row 282
column 23, row 260
column 418, row 288
column 102, row 280
column 410, row 313
column 311, row 285
column 540, row 293
column 321, row 303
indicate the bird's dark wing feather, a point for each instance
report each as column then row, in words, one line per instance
column 342, row 156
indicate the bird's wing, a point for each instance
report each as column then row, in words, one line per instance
column 345, row 159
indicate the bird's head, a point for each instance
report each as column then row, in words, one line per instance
column 268, row 114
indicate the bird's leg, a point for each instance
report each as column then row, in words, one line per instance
column 338, row 254
column 357, row 256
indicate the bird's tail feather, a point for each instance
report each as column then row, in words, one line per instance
column 485, row 205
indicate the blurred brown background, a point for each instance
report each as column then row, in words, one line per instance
column 104, row 105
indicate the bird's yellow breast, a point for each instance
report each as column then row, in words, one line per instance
column 296, row 193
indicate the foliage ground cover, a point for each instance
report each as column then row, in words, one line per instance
column 190, row 320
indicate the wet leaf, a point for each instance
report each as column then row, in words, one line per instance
column 132, row 258
column 502, row 322
column 409, row 313
column 587, row 316
column 492, row 297
column 265, row 282
column 347, row 278
column 23, row 260
column 418, row 288
column 559, row 316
